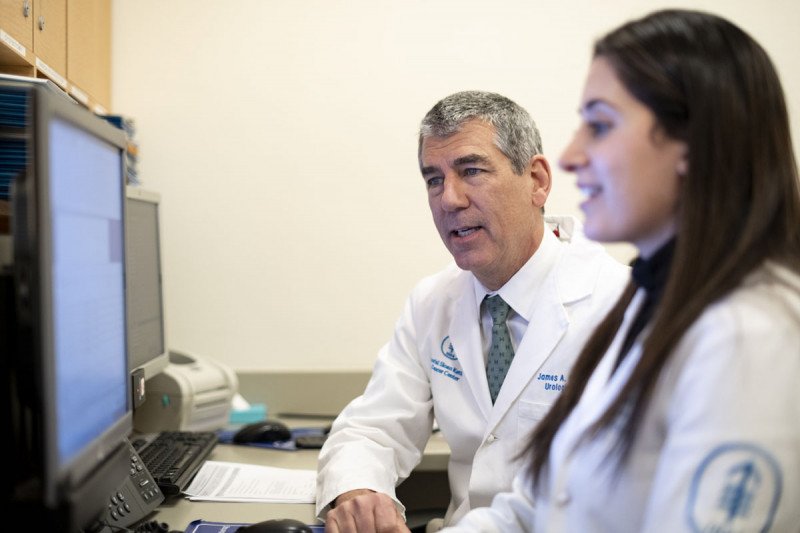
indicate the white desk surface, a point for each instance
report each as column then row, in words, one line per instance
column 178, row 512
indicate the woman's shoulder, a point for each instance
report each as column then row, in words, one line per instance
column 744, row 347
column 770, row 294
column 761, row 314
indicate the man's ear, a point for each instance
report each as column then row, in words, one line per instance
column 542, row 179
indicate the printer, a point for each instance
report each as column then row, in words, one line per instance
column 192, row 393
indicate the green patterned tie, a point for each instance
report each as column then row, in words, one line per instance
column 501, row 351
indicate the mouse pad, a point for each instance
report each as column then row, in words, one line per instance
column 225, row 436
column 201, row 526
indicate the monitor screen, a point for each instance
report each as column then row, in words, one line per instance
column 68, row 407
column 88, row 285
column 146, row 338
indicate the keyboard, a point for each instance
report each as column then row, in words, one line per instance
column 174, row 457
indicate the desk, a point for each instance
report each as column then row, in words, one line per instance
column 431, row 474
column 179, row 511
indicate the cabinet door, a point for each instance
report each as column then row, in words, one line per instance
column 50, row 33
column 16, row 19
column 89, row 48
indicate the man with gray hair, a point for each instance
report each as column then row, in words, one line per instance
column 483, row 346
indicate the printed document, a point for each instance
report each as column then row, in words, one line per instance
column 238, row 482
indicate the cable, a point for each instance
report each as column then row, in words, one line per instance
column 151, row 526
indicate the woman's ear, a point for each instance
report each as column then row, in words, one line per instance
column 683, row 165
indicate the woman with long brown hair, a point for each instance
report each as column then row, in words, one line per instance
column 682, row 412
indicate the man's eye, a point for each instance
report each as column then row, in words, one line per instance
column 472, row 171
column 434, row 182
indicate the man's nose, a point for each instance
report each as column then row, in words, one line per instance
column 454, row 196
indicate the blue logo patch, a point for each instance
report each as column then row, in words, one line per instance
column 737, row 487
column 448, row 350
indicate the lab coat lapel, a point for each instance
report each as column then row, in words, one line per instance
column 547, row 326
column 605, row 383
column 466, row 338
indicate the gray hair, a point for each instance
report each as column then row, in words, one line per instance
column 516, row 134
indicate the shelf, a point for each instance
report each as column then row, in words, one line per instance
column 9, row 58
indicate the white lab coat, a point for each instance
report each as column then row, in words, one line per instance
column 434, row 365
column 719, row 448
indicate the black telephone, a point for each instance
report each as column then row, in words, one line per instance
column 138, row 496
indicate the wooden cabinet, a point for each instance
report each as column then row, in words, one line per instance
column 16, row 36
column 89, row 48
column 67, row 41
column 50, row 38
column 17, row 20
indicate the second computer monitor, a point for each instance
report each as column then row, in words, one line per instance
column 146, row 333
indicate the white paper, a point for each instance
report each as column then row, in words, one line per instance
column 238, row 482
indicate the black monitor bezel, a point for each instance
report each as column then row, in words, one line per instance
column 33, row 256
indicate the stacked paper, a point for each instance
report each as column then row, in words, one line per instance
column 237, row 482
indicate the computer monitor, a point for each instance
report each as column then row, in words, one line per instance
column 146, row 335
column 68, row 403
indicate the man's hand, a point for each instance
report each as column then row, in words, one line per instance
column 364, row 511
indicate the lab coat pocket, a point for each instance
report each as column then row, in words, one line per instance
column 530, row 413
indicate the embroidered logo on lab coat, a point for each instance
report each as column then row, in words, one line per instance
column 444, row 368
column 448, row 350
column 737, row 487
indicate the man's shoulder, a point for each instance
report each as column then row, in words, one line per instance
column 442, row 290
column 577, row 247
column 450, row 279
column 585, row 267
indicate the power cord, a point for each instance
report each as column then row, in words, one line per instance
column 152, row 526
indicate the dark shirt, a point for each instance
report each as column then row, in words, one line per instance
column 651, row 275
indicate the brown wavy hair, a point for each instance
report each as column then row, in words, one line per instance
column 712, row 86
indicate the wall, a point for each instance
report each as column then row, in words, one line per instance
column 282, row 137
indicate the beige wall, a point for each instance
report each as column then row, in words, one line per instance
column 282, row 137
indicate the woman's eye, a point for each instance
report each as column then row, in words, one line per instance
column 598, row 128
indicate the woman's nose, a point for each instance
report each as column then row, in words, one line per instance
column 573, row 157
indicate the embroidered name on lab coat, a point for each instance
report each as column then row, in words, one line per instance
column 440, row 367
column 552, row 382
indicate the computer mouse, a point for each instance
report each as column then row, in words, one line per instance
column 283, row 525
column 266, row 431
